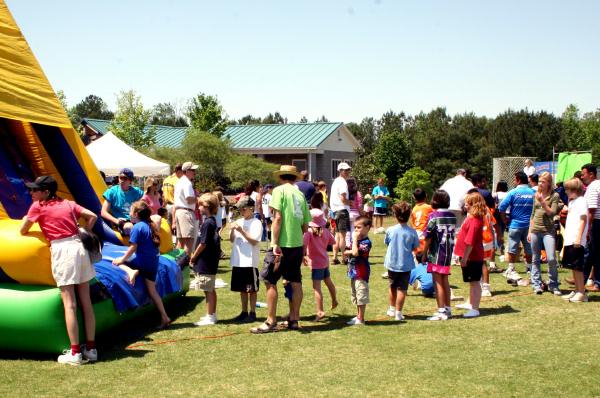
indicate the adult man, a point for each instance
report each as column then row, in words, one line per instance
column 339, row 204
column 184, row 206
column 592, row 197
column 480, row 182
column 520, row 202
column 290, row 221
column 533, row 181
column 118, row 200
column 457, row 187
column 306, row 187
column 168, row 190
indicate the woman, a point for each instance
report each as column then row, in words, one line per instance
column 151, row 195
column 253, row 190
column 70, row 262
column 542, row 234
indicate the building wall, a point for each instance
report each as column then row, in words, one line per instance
column 326, row 169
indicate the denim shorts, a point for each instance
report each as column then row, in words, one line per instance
column 320, row 274
column 516, row 236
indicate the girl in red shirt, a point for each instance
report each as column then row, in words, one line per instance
column 469, row 248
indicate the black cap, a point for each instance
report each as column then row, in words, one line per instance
column 44, row 183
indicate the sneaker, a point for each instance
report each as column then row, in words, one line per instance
column 438, row 316
column 579, row 298
column 538, row 290
column 555, row 291
column 90, row 355
column 399, row 316
column 507, row 272
column 207, row 320
column 385, row 275
column 485, row 290
column 589, row 283
column 355, row 322
column 391, row 311
column 471, row 314
column 568, row 296
column 513, row 275
column 502, row 258
column 68, row 358
column 523, row 282
column 464, row 306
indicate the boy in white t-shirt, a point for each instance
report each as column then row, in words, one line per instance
column 266, row 201
column 575, row 238
column 245, row 236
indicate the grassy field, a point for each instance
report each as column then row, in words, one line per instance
column 522, row 346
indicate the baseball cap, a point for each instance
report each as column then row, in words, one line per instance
column 245, row 201
column 44, row 183
column 344, row 166
column 127, row 173
column 188, row 166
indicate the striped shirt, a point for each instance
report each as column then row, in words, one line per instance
column 592, row 197
column 441, row 229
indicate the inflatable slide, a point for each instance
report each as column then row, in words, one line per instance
column 36, row 138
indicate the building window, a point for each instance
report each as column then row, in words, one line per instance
column 334, row 166
column 350, row 162
column 299, row 163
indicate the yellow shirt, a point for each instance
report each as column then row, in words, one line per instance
column 325, row 196
column 168, row 188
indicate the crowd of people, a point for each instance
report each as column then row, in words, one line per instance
column 463, row 224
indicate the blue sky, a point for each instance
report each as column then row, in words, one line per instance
column 343, row 59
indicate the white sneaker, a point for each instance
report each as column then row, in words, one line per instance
column 438, row 316
column 68, row 358
column 207, row 320
column 385, row 275
column 355, row 322
column 391, row 311
column 579, row 298
column 464, row 306
column 589, row 283
column 502, row 258
column 513, row 275
column 507, row 272
column 399, row 316
column 90, row 355
column 471, row 314
column 556, row 291
column 569, row 296
column 485, row 290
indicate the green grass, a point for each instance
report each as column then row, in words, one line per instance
column 523, row 346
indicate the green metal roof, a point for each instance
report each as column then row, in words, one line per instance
column 294, row 135
column 165, row 135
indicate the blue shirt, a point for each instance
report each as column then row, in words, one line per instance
column 120, row 201
column 380, row 191
column 146, row 253
column 401, row 240
column 420, row 273
column 520, row 201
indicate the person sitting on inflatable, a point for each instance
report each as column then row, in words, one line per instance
column 70, row 262
column 118, row 200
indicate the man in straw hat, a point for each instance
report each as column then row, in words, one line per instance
column 290, row 221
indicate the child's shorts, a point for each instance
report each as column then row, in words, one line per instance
column 244, row 279
column 399, row 280
column 438, row 269
column 320, row 274
column 206, row 282
column 473, row 271
column 360, row 292
column 573, row 258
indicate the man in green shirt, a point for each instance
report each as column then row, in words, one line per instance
column 289, row 222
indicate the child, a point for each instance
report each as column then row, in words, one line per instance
column 359, row 268
column 469, row 249
column 245, row 254
column 144, row 242
column 401, row 240
column 369, row 205
column 437, row 252
column 575, row 238
column 266, row 200
column 205, row 259
column 316, row 240
column 419, row 216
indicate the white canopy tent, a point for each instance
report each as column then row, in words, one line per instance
column 110, row 155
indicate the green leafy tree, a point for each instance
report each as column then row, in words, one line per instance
column 165, row 114
column 274, row 118
column 590, row 124
column 414, row 178
column 92, row 107
column 322, row 119
column 303, row 119
column 249, row 119
column 62, row 98
column 131, row 122
column 210, row 153
column 206, row 114
column 242, row 168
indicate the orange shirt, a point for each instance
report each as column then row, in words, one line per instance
column 418, row 220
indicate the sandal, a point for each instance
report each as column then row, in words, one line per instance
column 265, row 327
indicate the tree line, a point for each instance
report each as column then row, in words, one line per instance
column 430, row 145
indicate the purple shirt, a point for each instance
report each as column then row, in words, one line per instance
column 441, row 227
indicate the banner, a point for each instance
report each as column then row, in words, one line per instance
column 569, row 163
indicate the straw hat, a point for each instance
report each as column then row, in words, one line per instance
column 286, row 169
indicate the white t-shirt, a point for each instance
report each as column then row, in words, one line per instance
column 529, row 170
column 457, row 187
column 339, row 186
column 577, row 208
column 183, row 190
column 592, row 197
column 265, row 205
column 243, row 254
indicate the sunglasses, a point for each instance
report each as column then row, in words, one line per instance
column 123, row 178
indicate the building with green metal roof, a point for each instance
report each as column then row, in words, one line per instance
column 315, row 147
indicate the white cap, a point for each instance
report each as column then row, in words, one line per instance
column 344, row 166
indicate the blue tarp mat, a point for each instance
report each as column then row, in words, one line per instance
column 169, row 279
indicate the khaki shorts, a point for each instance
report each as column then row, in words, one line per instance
column 360, row 292
column 185, row 222
column 70, row 262
column 206, row 282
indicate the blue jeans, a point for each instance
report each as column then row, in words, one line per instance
column 547, row 241
column 592, row 253
column 516, row 236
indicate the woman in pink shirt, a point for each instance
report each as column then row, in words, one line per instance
column 71, row 266
column 151, row 195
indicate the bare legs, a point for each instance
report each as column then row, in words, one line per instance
column 69, row 299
